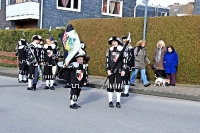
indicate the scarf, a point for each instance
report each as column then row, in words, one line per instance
column 158, row 55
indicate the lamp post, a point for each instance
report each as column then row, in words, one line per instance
column 145, row 20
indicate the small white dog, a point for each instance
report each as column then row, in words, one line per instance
column 160, row 81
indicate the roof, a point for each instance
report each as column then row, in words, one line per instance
column 179, row 10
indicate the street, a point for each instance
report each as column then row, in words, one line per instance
column 47, row 111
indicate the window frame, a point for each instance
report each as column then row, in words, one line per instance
column 163, row 13
column 107, row 10
column 70, row 9
column 7, row 2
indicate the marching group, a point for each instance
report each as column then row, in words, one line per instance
column 38, row 60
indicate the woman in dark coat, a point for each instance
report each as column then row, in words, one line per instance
column 170, row 64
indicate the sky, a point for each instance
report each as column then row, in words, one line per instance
column 166, row 3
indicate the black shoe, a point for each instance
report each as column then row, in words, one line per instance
column 132, row 84
column 46, row 87
column 111, row 104
column 148, row 84
column 24, row 81
column 118, row 105
column 173, row 85
column 29, row 88
column 73, row 106
column 54, row 84
column 20, row 81
column 124, row 95
column 166, row 84
column 34, row 87
column 77, row 105
column 52, row 88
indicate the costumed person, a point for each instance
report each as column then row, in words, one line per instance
column 171, row 64
column 159, row 53
column 130, row 66
column 67, row 72
column 56, row 60
column 34, row 59
column 21, row 52
column 41, row 42
column 115, row 72
column 78, row 79
column 140, row 58
column 86, row 60
column 49, row 56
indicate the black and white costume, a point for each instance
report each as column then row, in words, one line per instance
column 129, row 69
column 21, row 52
column 67, row 72
column 78, row 78
column 34, row 59
column 112, row 57
column 49, row 55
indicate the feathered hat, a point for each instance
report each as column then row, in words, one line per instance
column 114, row 38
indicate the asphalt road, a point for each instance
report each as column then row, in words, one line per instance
column 47, row 111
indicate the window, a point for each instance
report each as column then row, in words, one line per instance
column 176, row 9
column 163, row 13
column 112, row 7
column 71, row 5
column 7, row 2
column 7, row 28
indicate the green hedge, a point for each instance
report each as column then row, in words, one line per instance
column 181, row 32
column 9, row 38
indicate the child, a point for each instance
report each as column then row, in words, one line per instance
column 130, row 66
column 49, row 54
column 78, row 79
column 22, row 56
column 34, row 57
column 115, row 71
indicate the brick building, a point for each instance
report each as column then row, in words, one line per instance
column 57, row 13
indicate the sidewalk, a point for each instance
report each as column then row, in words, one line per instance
column 187, row 92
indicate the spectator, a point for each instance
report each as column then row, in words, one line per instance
column 170, row 64
column 158, row 58
column 140, row 58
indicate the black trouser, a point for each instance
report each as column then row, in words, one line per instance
column 33, row 73
column 75, row 92
column 48, row 75
column 23, row 69
column 118, row 86
column 67, row 77
column 126, row 77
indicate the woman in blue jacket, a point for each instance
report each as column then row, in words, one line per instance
column 170, row 64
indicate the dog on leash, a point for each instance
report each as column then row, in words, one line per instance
column 160, row 81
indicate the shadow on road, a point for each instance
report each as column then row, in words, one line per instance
column 126, row 99
column 91, row 97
